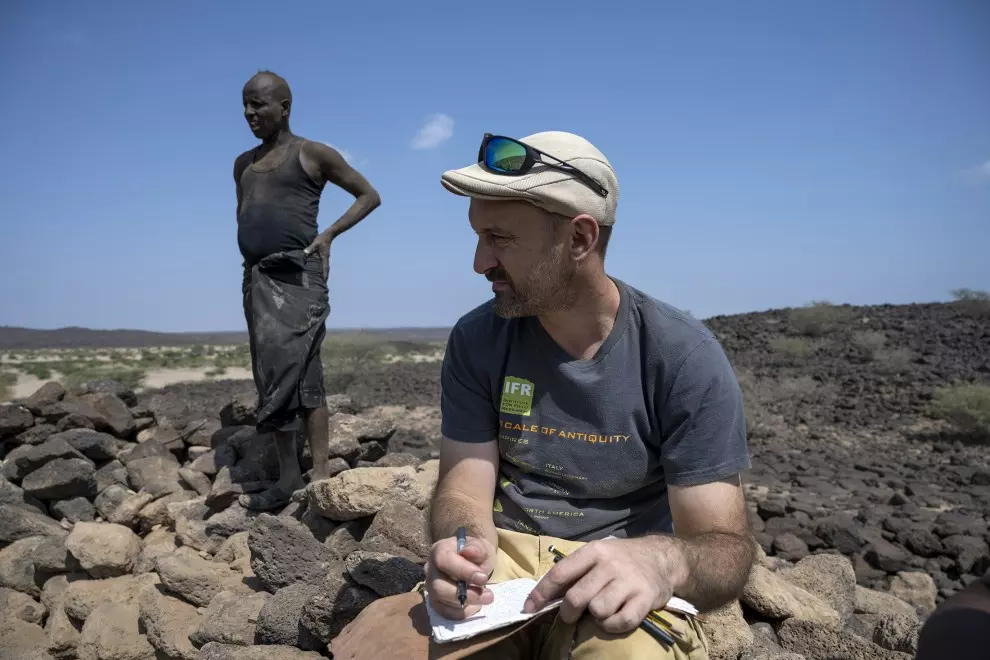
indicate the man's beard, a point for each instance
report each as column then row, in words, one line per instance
column 546, row 288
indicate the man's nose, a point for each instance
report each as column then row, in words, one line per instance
column 484, row 258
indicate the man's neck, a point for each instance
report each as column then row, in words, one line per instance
column 277, row 138
column 582, row 328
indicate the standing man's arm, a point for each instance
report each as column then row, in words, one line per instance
column 325, row 163
column 240, row 163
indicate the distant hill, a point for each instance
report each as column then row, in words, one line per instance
column 14, row 338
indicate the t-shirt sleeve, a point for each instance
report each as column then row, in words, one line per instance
column 466, row 407
column 704, row 426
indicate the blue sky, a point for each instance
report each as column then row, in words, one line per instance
column 768, row 153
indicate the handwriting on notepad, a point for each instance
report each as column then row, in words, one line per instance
column 505, row 609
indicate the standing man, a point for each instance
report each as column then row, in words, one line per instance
column 580, row 412
column 286, row 266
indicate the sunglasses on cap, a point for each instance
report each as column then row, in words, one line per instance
column 505, row 155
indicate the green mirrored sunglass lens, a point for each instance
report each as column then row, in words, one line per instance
column 504, row 155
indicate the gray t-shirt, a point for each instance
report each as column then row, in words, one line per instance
column 588, row 447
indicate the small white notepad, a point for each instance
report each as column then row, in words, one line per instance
column 505, row 610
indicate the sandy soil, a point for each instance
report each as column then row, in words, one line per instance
column 162, row 377
column 435, row 356
column 27, row 384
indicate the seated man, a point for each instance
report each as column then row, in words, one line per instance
column 959, row 628
column 578, row 411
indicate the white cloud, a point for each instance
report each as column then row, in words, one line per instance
column 345, row 154
column 438, row 129
column 978, row 174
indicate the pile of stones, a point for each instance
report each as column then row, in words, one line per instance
column 121, row 537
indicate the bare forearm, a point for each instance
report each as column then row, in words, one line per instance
column 713, row 568
column 450, row 510
column 359, row 210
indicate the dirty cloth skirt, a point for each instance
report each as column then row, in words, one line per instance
column 286, row 305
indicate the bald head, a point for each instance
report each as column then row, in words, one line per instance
column 270, row 84
column 267, row 104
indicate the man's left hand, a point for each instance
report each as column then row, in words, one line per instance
column 322, row 247
column 618, row 581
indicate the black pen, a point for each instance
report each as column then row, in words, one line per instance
column 461, row 587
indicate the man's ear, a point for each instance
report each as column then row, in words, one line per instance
column 286, row 107
column 584, row 236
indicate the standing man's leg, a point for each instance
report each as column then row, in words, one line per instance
column 318, row 435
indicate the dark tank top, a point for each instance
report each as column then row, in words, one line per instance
column 279, row 207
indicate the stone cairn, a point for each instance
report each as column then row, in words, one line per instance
column 121, row 538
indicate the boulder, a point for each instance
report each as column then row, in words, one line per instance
column 814, row 641
column 78, row 509
column 48, row 394
column 104, row 549
column 118, row 418
column 159, row 543
column 231, row 618
column 916, row 589
column 285, row 552
column 278, row 620
column 386, row 575
column 28, row 458
column 14, row 419
column 830, row 577
column 775, row 598
column 156, row 474
column 398, row 529
column 338, row 603
column 112, row 632
column 108, row 386
column 869, row 601
column 168, row 622
column 346, row 538
column 122, row 506
column 83, row 596
column 196, row 580
column 20, row 640
column 35, row 435
column 216, row 651
column 62, row 479
column 94, row 445
column 17, row 566
column 16, row 605
column 727, row 631
column 52, row 557
column 113, row 473
column 361, row 492
column 240, row 411
column 897, row 632
column 18, row 522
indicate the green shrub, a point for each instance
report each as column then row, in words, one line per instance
column 966, row 406
column 791, row 349
column 818, row 318
column 971, row 294
column 7, row 381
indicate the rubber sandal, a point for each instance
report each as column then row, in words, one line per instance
column 266, row 500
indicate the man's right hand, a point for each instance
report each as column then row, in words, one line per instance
column 445, row 567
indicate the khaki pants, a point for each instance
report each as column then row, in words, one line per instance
column 526, row 555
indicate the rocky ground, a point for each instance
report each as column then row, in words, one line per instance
column 121, row 536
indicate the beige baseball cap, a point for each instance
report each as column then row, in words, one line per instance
column 549, row 188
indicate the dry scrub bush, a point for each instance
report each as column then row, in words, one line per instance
column 818, row 318
column 791, row 349
column 971, row 294
column 7, row 381
column 966, row 406
column 869, row 342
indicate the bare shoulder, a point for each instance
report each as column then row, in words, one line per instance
column 241, row 162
